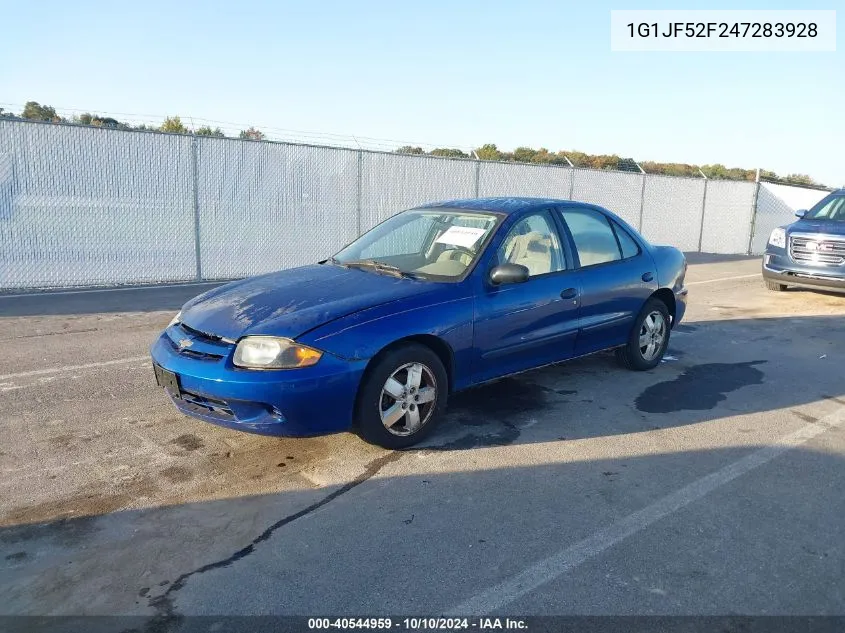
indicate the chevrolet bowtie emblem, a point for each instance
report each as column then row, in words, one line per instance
column 185, row 342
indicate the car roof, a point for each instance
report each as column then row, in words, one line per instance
column 498, row 205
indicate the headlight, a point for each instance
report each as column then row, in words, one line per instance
column 176, row 319
column 778, row 238
column 269, row 352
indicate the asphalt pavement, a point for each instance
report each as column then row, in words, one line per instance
column 710, row 485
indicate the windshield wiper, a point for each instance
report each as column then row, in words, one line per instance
column 379, row 267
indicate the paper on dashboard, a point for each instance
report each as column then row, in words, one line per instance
column 464, row 236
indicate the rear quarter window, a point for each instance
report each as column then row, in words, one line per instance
column 630, row 248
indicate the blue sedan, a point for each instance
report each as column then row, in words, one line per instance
column 434, row 300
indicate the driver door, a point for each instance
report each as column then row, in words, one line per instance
column 523, row 325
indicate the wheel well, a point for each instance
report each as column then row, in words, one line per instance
column 667, row 297
column 435, row 344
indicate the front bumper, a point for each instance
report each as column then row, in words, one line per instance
column 294, row 402
column 680, row 305
column 780, row 268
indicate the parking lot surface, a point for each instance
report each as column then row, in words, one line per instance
column 710, row 485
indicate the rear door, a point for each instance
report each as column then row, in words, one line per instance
column 617, row 276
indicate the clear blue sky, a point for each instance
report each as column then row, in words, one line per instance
column 459, row 73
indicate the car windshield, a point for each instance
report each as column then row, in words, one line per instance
column 426, row 243
column 828, row 209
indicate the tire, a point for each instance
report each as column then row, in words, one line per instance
column 775, row 286
column 416, row 373
column 638, row 357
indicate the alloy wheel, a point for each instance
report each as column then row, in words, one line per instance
column 652, row 335
column 407, row 399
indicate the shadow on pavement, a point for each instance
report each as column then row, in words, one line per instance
column 423, row 542
column 451, row 522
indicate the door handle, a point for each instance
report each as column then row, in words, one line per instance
column 647, row 276
column 569, row 293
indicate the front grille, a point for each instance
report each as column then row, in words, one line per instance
column 192, row 353
column 202, row 336
column 193, row 343
column 204, row 404
column 818, row 251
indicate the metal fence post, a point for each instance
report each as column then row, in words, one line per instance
column 642, row 204
column 196, row 203
column 571, row 179
column 703, row 209
column 753, row 215
column 477, row 176
column 358, row 203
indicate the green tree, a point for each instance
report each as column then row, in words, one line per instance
column 37, row 112
column 206, row 130
column 670, row 169
column 96, row 120
column 627, row 164
column 800, row 179
column 524, row 154
column 448, row 152
column 251, row 134
column 720, row 172
column 407, row 149
column 559, row 158
column 544, row 157
column 579, row 159
column 488, row 151
column 174, row 125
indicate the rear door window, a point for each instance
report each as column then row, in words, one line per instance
column 593, row 236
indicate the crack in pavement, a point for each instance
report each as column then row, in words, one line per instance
column 165, row 611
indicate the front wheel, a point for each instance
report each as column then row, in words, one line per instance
column 402, row 397
column 649, row 338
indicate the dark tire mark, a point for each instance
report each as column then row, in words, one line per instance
column 493, row 405
column 177, row 474
column 189, row 442
column 804, row 416
column 500, row 399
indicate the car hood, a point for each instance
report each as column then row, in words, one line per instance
column 828, row 227
column 291, row 302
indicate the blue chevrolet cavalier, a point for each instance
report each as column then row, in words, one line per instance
column 433, row 300
column 809, row 253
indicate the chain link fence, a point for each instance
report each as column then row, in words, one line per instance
column 84, row 206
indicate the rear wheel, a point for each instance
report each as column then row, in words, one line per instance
column 649, row 338
column 773, row 285
column 402, row 397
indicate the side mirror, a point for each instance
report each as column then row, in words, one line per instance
column 800, row 213
column 508, row 274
